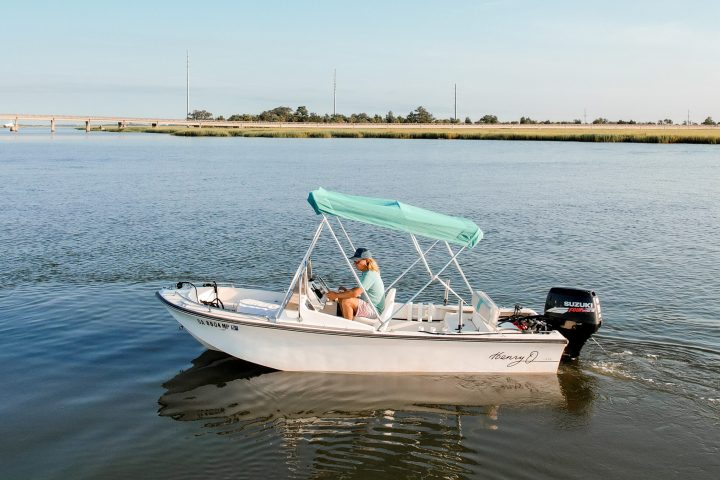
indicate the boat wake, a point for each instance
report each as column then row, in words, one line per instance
column 686, row 371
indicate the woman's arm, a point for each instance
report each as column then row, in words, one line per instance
column 350, row 293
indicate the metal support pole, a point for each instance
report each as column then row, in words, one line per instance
column 346, row 234
column 447, row 286
column 427, row 266
column 299, row 271
column 460, row 316
column 187, row 85
column 462, row 274
column 411, row 266
column 383, row 325
column 422, row 257
column 352, row 270
column 456, row 103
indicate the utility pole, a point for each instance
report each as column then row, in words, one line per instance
column 334, row 89
column 187, row 84
column 456, row 102
column 688, row 120
column 585, row 116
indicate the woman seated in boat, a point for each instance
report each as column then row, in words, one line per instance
column 350, row 301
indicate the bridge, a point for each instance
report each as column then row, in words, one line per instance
column 18, row 118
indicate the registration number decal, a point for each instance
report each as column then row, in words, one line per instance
column 213, row 323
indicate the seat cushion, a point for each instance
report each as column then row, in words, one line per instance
column 250, row 306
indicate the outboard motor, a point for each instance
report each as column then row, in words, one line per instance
column 575, row 313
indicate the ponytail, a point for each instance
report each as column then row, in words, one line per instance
column 372, row 265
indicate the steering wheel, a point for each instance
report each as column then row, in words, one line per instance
column 319, row 286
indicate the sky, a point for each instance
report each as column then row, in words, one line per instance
column 556, row 60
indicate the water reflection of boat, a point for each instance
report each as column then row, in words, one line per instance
column 221, row 386
column 394, row 426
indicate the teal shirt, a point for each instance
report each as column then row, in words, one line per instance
column 373, row 285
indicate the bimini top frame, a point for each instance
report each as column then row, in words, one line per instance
column 397, row 216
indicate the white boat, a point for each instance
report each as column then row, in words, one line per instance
column 299, row 330
column 8, row 125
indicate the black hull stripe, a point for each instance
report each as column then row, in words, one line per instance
column 386, row 336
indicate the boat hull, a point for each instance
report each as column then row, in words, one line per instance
column 300, row 348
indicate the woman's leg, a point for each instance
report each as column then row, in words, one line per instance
column 348, row 307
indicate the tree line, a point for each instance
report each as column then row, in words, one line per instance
column 419, row 115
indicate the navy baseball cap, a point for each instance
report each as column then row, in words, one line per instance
column 361, row 253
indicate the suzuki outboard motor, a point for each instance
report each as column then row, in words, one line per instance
column 575, row 313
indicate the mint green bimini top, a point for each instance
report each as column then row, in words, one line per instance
column 396, row 216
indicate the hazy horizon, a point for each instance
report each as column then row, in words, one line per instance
column 641, row 60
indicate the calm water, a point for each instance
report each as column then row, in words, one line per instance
column 99, row 382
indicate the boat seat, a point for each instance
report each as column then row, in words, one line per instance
column 251, row 306
column 387, row 311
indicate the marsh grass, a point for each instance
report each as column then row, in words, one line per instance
column 638, row 135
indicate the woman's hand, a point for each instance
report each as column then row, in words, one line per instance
column 332, row 296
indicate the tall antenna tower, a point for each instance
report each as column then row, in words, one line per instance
column 455, row 103
column 187, row 84
column 334, row 89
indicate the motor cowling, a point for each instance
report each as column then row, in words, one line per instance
column 575, row 313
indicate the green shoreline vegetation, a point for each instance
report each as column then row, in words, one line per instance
column 421, row 124
column 569, row 134
column 419, row 115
